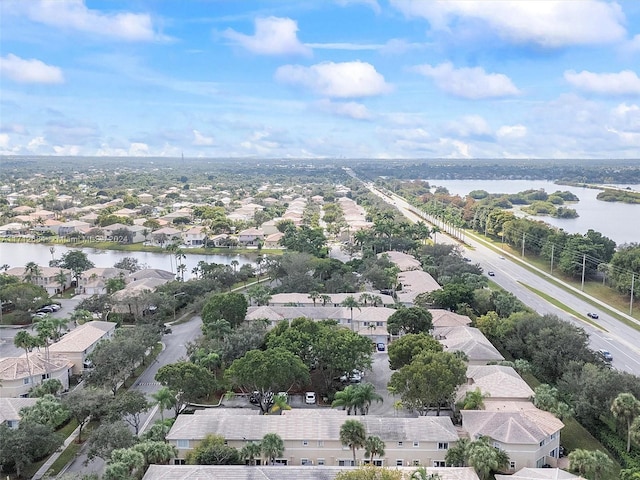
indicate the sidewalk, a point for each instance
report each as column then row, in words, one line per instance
column 50, row 461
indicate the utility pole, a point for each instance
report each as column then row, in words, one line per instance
column 552, row 248
column 523, row 244
column 584, row 264
column 633, row 278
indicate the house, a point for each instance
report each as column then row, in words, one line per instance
column 94, row 280
column 403, row 261
column 496, row 382
column 10, row 410
column 90, row 218
column 13, row 229
column 470, row 341
column 335, row 299
column 166, row 235
column 312, row 437
column 218, row 240
column 530, row 436
column 47, row 277
column 50, row 225
column 134, row 233
column 273, row 240
column 195, row 236
column 78, row 344
column 414, row 283
column 74, row 226
column 145, row 197
column 277, row 472
column 19, row 374
column 540, row 474
column 269, row 227
column 250, row 236
column 445, row 318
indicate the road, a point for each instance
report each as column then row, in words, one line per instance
column 610, row 334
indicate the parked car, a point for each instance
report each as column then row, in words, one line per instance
column 381, row 347
column 592, row 315
column 55, row 307
column 38, row 315
column 46, row 309
column 606, row 355
column 354, row 377
column 491, row 273
column 310, row 398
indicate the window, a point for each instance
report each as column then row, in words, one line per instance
column 378, row 324
column 554, row 435
column 321, row 461
column 377, row 462
column 439, row 464
column 542, row 443
column 512, row 465
column 400, row 444
column 179, row 461
column 182, row 443
column 416, row 444
column 305, row 443
column 553, row 453
column 305, row 461
column 399, row 462
column 12, row 424
column 345, row 463
column 443, row 445
column 321, row 443
column 366, row 324
column 497, row 445
column 46, row 376
column 415, row 463
column 27, row 381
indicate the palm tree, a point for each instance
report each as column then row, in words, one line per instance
column 485, row 458
column 250, row 452
column 373, row 446
column 365, row 394
column 353, row 435
column 422, row 474
column 314, row 295
column 272, row 446
column 31, row 271
column 350, row 303
column 27, row 342
column 345, row 399
column 234, row 264
column 602, row 465
column 581, row 461
column 325, row 299
column 279, row 404
column 626, row 407
column 364, row 298
column 52, row 250
column 156, row 453
column 474, row 400
column 61, row 278
column 457, row 455
column 435, row 230
column 165, row 399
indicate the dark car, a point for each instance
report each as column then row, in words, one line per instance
column 606, row 355
column 491, row 274
column 45, row 310
column 592, row 315
column 381, row 347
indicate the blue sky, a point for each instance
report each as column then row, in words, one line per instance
column 321, row 79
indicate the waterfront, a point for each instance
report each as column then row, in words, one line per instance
column 19, row 254
column 618, row 221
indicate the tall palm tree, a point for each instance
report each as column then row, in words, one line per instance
column 325, row 299
column 365, row 394
column 373, row 446
column 156, row 453
column 364, row 298
column 272, row 446
column 27, row 342
column 165, row 398
column 474, row 400
column 485, row 458
column 250, row 452
column 314, row 295
column 351, row 303
column 626, row 407
column 353, row 435
column 279, row 404
column 61, row 279
column 435, row 230
column 345, row 399
column 234, row 264
column 31, row 271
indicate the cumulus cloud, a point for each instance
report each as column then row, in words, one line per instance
column 512, row 131
column 339, row 80
column 625, row 82
column 470, row 126
column 273, row 36
column 552, row 23
column 29, row 71
column 138, row 149
column 5, row 140
column 473, row 83
column 75, row 15
column 201, row 140
column 346, row 109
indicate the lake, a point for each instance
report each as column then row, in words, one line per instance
column 19, row 254
column 618, row 221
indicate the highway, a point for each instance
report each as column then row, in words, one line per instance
column 610, row 334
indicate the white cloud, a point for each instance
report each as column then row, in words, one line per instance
column 29, row 71
column 273, row 36
column 5, row 140
column 512, row 131
column 625, row 82
column 138, row 149
column 67, row 150
column 347, row 109
column 201, row 140
column 373, row 4
column 75, row 15
column 35, row 144
column 552, row 23
column 473, row 83
column 339, row 80
column 470, row 126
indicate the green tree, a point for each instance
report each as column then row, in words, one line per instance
column 410, row 320
column 61, row 279
column 190, row 382
column 592, row 464
column 26, row 342
column 22, row 446
column 626, row 408
column 485, row 458
column 451, row 295
column 457, row 454
column 76, row 261
column 32, row 271
column 474, row 400
column 156, row 452
column 272, row 447
column 165, row 398
column 85, row 404
column 350, row 303
column 124, row 463
column 369, row 472
column 47, row 411
column 403, row 350
column 346, row 399
column 52, row 386
column 373, row 446
column 108, row 437
column 231, row 307
column 429, row 380
column 267, row 371
column 365, row 395
column 250, row 452
column 128, row 406
column 353, row 435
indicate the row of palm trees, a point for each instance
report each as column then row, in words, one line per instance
column 49, row 330
column 356, row 398
column 353, row 434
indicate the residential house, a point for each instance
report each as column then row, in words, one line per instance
column 145, row 197
column 42, row 215
column 414, row 283
column 195, row 236
column 13, row 229
column 218, row 240
column 47, row 278
column 470, row 341
column 540, row 474
column 166, row 236
column 270, row 226
column 250, row 237
column 334, row 299
column 312, row 437
column 273, row 241
column 135, row 233
column 50, row 225
column 78, row 344
column 10, row 410
column 402, row 260
column 94, row 280
column 23, row 210
column 125, row 212
column 90, row 218
column 445, row 318
column 277, row 472
column 19, row 374
column 73, row 226
column 497, row 382
column 530, row 436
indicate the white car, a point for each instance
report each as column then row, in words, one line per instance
column 310, row 398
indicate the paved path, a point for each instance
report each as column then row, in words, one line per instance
column 51, row 460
